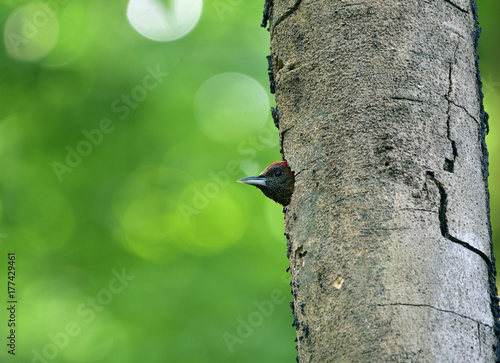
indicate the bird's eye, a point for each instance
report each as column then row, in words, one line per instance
column 278, row 173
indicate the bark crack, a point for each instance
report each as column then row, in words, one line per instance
column 449, row 164
column 463, row 108
column 407, row 99
column 450, row 89
column 479, row 337
column 282, row 138
column 287, row 13
column 456, row 6
column 284, row 132
column 291, row 66
column 435, row 308
column 443, row 219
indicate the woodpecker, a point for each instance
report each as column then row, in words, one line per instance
column 276, row 182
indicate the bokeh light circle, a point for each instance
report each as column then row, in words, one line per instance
column 31, row 32
column 164, row 20
column 229, row 106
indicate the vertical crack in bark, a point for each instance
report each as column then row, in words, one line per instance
column 449, row 165
column 282, row 138
column 479, row 337
column 443, row 219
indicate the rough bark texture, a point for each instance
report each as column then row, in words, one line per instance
column 379, row 107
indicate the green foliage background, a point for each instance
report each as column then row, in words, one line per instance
column 155, row 200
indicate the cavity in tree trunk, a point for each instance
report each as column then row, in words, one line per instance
column 379, row 107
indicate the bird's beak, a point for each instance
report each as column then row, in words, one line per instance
column 254, row 180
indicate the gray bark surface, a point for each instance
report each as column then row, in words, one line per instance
column 379, row 107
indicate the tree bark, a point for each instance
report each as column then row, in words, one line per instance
column 379, row 107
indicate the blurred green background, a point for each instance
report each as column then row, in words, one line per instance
column 132, row 240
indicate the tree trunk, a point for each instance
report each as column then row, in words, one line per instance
column 380, row 113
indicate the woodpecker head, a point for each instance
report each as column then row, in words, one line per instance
column 276, row 182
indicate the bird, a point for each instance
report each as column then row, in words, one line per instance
column 276, row 182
